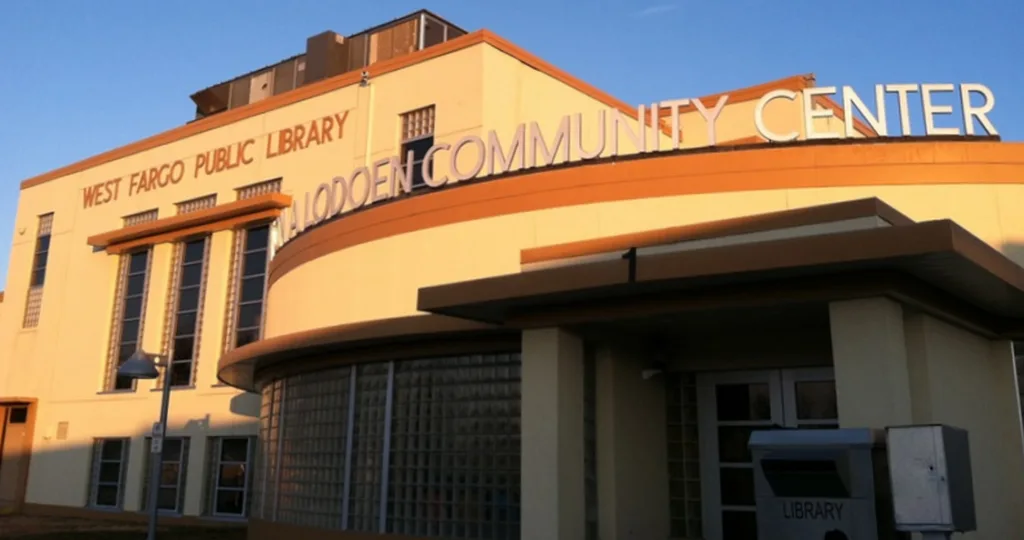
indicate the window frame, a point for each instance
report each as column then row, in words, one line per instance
column 174, row 308
column 122, row 297
column 94, row 477
column 233, row 328
column 214, row 475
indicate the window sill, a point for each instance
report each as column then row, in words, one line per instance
column 110, row 509
column 227, row 519
column 115, row 392
column 174, row 388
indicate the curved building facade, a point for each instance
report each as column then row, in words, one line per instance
column 512, row 307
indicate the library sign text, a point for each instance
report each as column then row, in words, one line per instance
column 217, row 160
column 474, row 156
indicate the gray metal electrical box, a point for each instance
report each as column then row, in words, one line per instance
column 822, row 484
column 930, row 470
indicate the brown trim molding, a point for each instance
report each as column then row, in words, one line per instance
column 168, row 229
column 812, row 215
column 400, row 338
column 805, row 164
column 53, row 510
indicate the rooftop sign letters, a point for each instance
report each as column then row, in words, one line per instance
column 217, row 160
column 473, row 156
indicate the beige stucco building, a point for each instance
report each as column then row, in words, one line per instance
column 395, row 306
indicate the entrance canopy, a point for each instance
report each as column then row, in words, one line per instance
column 855, row 249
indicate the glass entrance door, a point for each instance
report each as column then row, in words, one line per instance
column 730, row 406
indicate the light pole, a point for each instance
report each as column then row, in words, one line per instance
column 142, row 365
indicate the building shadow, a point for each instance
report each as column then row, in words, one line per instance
column 56, row 492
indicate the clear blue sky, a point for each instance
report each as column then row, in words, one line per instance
column 81, row 77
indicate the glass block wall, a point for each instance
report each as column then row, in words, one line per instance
column 426, row 447
column 683, row 456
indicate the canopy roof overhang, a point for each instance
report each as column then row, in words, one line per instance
column 849, row 250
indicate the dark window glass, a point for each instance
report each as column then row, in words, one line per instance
column 129, row 330
column 194, row 251
column 249, row 316
column 139, row 262
column 108, row 473
column 186, row 324
column 256, row 238
column 19, row 415
column 183, row 347
column 39, row 260
column 736, row 402
column 106, row 495
column 111, row 450
column 39, row 276
column 255, row 263
column 131, row 312
column 191, row 275
column 190, row 299
column 229, row 480
column 245, row 337
column 419, row 148
column 234, row 450
column 252, row 286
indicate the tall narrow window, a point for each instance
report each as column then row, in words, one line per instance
column 33, row 304
column 229, row 475
column 252, row 284
column 109, row 465
column 190, row 280
column 130, row 314
column 170, row 495
column 417, row 138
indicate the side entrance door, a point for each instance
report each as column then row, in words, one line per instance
column 14, row 456
column 730, row 406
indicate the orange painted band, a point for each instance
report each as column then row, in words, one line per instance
column 805, row 164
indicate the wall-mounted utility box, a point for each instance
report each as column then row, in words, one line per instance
column 930, row 471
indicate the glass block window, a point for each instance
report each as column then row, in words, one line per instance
column 230, row 475
column 194, row 205
column 417, row 139
column 173, row 464
column 261, row 188
column 129, row 315
column 312, row 468
column 34, row 301
column 417, row 124
column 368, row 447
column 265, row 479
column 249, row 275
column 455, row 448
column 442, row 434
column 683, row 456
column 109, row 467
column 188, row 280
column 140, row 218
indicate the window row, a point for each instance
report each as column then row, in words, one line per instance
column 185, row 303
column 227, row 480
column 421, row 447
